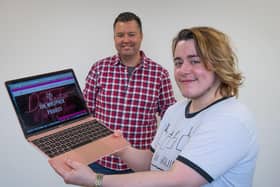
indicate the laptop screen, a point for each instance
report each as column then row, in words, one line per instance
column 47, row 100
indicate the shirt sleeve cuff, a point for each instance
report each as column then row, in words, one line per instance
column 195, row 167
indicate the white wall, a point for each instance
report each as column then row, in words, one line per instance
column 39, row 36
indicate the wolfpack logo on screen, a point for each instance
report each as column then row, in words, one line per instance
column 52, row 104
column 49, row 105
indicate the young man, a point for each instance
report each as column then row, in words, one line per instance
column 127, row 91
column 208, row 140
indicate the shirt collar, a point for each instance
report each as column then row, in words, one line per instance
column 190, row 115
column 144, row 59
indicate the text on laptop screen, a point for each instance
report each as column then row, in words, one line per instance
column 47, row 101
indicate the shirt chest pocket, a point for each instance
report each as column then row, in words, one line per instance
column 144, row 99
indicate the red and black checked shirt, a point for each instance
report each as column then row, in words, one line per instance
column 129, row 104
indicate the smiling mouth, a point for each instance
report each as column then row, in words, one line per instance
column 187, row 81
column 126, row 47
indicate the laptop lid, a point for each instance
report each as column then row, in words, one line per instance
column 46, row 101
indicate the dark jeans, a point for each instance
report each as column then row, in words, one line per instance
column 100, row 169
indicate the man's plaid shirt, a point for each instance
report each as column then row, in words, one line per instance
column 128, row 103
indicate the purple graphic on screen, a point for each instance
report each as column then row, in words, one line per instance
column 69, row 116
column 50, row 105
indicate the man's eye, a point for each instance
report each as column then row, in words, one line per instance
column 119, row 35
column 131, row 34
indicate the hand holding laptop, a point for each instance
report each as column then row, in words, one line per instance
column 75, row 173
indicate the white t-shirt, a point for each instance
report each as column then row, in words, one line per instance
column 219, row 142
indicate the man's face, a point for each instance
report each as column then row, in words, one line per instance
column 128, row 38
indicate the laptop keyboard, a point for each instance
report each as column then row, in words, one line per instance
column 71, row 138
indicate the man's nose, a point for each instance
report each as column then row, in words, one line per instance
column 126, row 38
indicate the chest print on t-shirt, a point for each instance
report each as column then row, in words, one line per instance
column 175, row 138
column 171, row 143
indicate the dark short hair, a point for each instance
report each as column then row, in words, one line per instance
column 128, row 16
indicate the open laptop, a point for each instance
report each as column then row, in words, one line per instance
column 52, row 112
